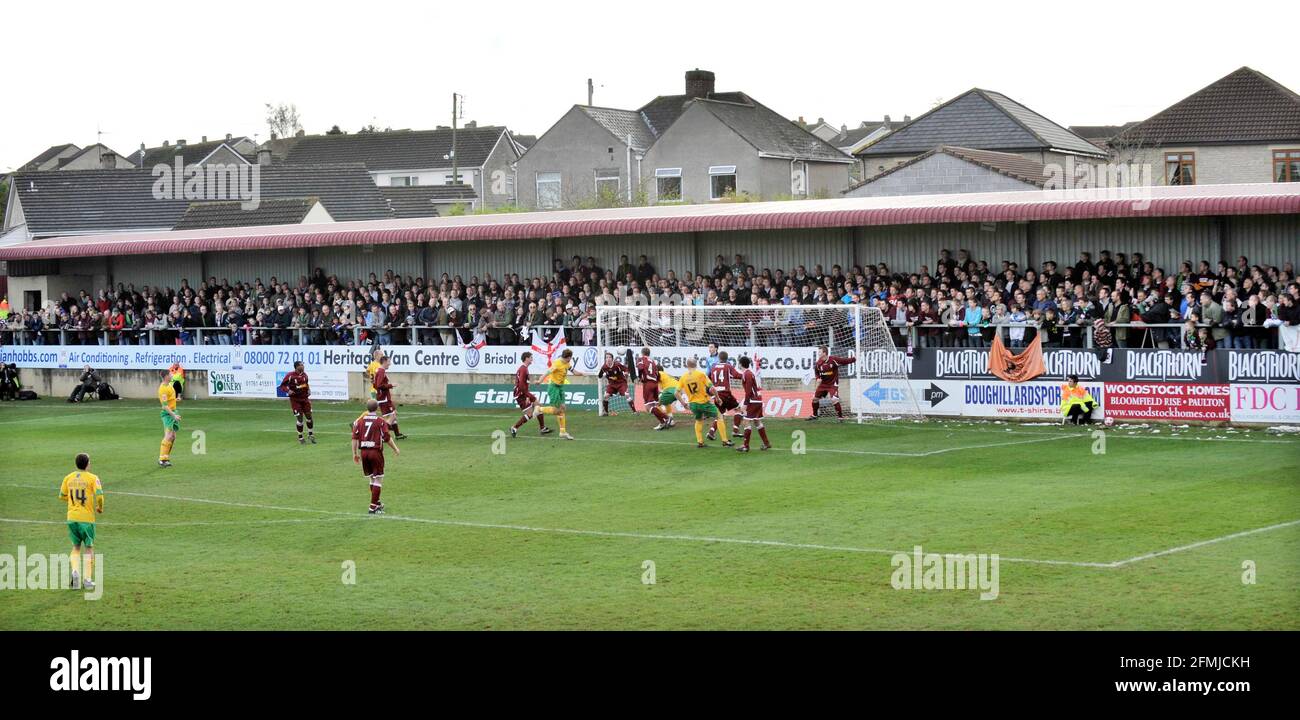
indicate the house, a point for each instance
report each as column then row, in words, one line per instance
column 402, row 158
column 868, row 131
column 417, row 201
column 1242, row 128
column 1100, row 135
column 948, row 169
column 821, row 128
column 230, row 151
column 698, row 146
column 94, row 202
column 980, row 120
column 73, row 157
column 283, row 211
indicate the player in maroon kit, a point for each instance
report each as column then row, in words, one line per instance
column 721, row 375
column 753, row 405
column 295, row 386
column 827, row 368
column 369, row 435
column 615, row 374
column 384, row 395
column 526, row 400
column 648, row 370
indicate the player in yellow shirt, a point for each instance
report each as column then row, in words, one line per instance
column 667, row 396
column 373, row 368
column 699, row 392
column 556, row 378
column 171, row 420
column 84, row 494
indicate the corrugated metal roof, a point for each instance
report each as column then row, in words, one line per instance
column 1174, row 201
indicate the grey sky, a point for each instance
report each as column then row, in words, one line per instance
column 523, row 63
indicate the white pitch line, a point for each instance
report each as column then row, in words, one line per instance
column 1202, row 543
column 846, row 451
column 189, row 523
column 675, row 537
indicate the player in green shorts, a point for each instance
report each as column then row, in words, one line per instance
column 704, row 411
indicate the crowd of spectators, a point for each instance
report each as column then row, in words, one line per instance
column 958, row 302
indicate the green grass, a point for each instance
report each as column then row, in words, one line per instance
column 481, row 540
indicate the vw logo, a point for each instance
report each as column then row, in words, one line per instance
column 590, row 357
column 471, row 357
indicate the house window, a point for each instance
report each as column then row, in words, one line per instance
column 548, row 190
column 1180, row 168
column 1286, row 165
column 799, row 178
column 668, row 184
column 607, row 184
column 403, row 180
column 722, row 181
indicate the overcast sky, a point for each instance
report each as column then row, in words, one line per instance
column 73, row 69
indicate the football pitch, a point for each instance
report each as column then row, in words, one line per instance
column 1148, row 527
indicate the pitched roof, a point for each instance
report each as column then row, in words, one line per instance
column 1244, row 106
column 621, row 123
column 665, row 109
column 1010, row 164
column 984, row 120
column 45, row 156
column 190, row 152
column 69, row 202
column 770, row 132
column 843, row 212
column 524, row 141
column 399, row 149
column 418, row 201
column 283, row 211
column 87, row 149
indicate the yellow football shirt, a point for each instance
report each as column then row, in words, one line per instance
column 84, row 494
column 666, row 381
column 696, row 385
column 559, row 373
column 167, row 395
column 371, row 370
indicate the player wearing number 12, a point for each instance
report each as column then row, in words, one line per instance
column 84, row 494
column 700, row 396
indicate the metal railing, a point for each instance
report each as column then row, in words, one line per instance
column 272, row 335
column 1151, row 334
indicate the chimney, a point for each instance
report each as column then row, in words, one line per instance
column 300, row 133
column 907, row 118
column 205, row 138
column 699, row 83
column 108, row 160
column 180, row 143
column 886, row 119
column 472, row 124
column 167, row 143
column 264, row 156
column 843, row 128
column 227, row 137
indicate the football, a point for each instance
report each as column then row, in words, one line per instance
column 1109, row 421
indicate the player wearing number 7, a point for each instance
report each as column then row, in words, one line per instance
column 84, row 494
column 700, row 396
column 369, row 435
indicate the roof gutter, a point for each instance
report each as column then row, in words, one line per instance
column 781, row 156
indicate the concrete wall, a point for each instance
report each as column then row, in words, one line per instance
column 1216, row 164
column 575, row 146
column 413, row 388
column 939, row 173
column 698, row 140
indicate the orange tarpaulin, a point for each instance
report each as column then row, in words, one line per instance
column 1017, row 368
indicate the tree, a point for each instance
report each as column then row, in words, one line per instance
column 282, row 119
column 335, row 131
column 4, row 197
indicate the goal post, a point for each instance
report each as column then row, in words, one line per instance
column 782, row 342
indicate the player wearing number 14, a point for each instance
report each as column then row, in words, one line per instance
column 84, row 494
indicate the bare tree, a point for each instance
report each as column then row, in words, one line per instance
column 282, row 119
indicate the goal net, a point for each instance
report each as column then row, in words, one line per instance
column 782, row 342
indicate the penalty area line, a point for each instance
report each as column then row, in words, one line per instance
column 687, row 538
